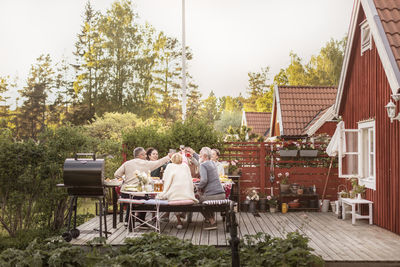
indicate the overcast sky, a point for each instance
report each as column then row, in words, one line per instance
column 229, row 38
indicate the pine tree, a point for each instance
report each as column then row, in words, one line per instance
column 33, row 115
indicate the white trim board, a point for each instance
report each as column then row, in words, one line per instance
column 327, row 116
column 382, row 45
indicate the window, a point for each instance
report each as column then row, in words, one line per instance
column 348, row 153
column 357, row 154
column 367, row 172
column 366, row 42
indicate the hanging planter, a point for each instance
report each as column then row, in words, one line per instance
column 288, row 153
column 308, row 153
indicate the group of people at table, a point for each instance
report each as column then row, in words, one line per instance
column 177, row 171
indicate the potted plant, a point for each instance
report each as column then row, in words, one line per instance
column 284, row 182
column 272, row 203
column 289, row 149
column 263, row 202
column 234, row 168
column 253, row 197
column 308, row 150
column 357, row 189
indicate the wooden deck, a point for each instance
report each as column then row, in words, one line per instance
column 333, row 239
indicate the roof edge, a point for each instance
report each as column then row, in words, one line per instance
column 382, row 45
column 328, row 115
column 278, row 110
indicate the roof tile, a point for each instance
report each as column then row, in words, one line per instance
column 389, row 13
column 259, row 122
column 301, row 104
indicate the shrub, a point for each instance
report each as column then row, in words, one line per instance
column 263, row 250
column 194, row 133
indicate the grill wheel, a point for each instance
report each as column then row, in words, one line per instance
column 67, row 236
column 75, row 233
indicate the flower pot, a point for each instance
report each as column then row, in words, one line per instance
column 284, row 188
column 288, row 153
column 253, row 206
column 359, row 196
column 263, row 204
column 308, row 153
column 272, row 209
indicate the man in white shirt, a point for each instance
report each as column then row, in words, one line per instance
column 139, row 163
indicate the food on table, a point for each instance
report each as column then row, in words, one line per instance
column 225, row 180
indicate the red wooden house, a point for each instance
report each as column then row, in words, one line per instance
column 370, row 79
column 301, row 111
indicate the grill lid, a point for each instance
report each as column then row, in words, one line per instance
column 84, row 172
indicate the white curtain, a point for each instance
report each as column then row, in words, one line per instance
column 337, row 139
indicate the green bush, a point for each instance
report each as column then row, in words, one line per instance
column 29, row 172
column 193, row 132
column 158, row 250
column 263, row 250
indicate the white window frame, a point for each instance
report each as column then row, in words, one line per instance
column 368, row 180
column 365, row 29
column 342, row 153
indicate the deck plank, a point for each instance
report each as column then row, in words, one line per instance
column 331, row 238
column 338, row 238
column 287, row 226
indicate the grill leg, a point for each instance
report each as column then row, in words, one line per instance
column 70, row 213
column 75, row 208
column 101, row 217
column 105, row 217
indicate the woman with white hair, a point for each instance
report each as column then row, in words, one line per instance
column 209, row 185
column 178, row 185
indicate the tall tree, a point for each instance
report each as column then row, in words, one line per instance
column 258, row 86
column 322, row 69
column 229, row 103
column 88, row 54
column 33, row 112
column 121, row 43
column 209, row 110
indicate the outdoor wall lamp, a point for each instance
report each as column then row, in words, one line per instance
column 391, row 108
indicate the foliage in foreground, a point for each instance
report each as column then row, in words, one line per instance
column 158, row 250
column 264, row 250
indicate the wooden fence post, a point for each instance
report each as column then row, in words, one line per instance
column 263, row 152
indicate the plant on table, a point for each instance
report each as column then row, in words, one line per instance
column 144, row 181
column 356, row 187
column 234, row 167
column 272, row 201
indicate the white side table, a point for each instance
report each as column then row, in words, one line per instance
column 356, row 214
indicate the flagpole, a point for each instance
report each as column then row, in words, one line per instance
column 183, row 63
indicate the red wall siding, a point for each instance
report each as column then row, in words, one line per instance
column 329, row 128
column 365, row 94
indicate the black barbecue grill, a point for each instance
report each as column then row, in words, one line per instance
column 84, row 177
